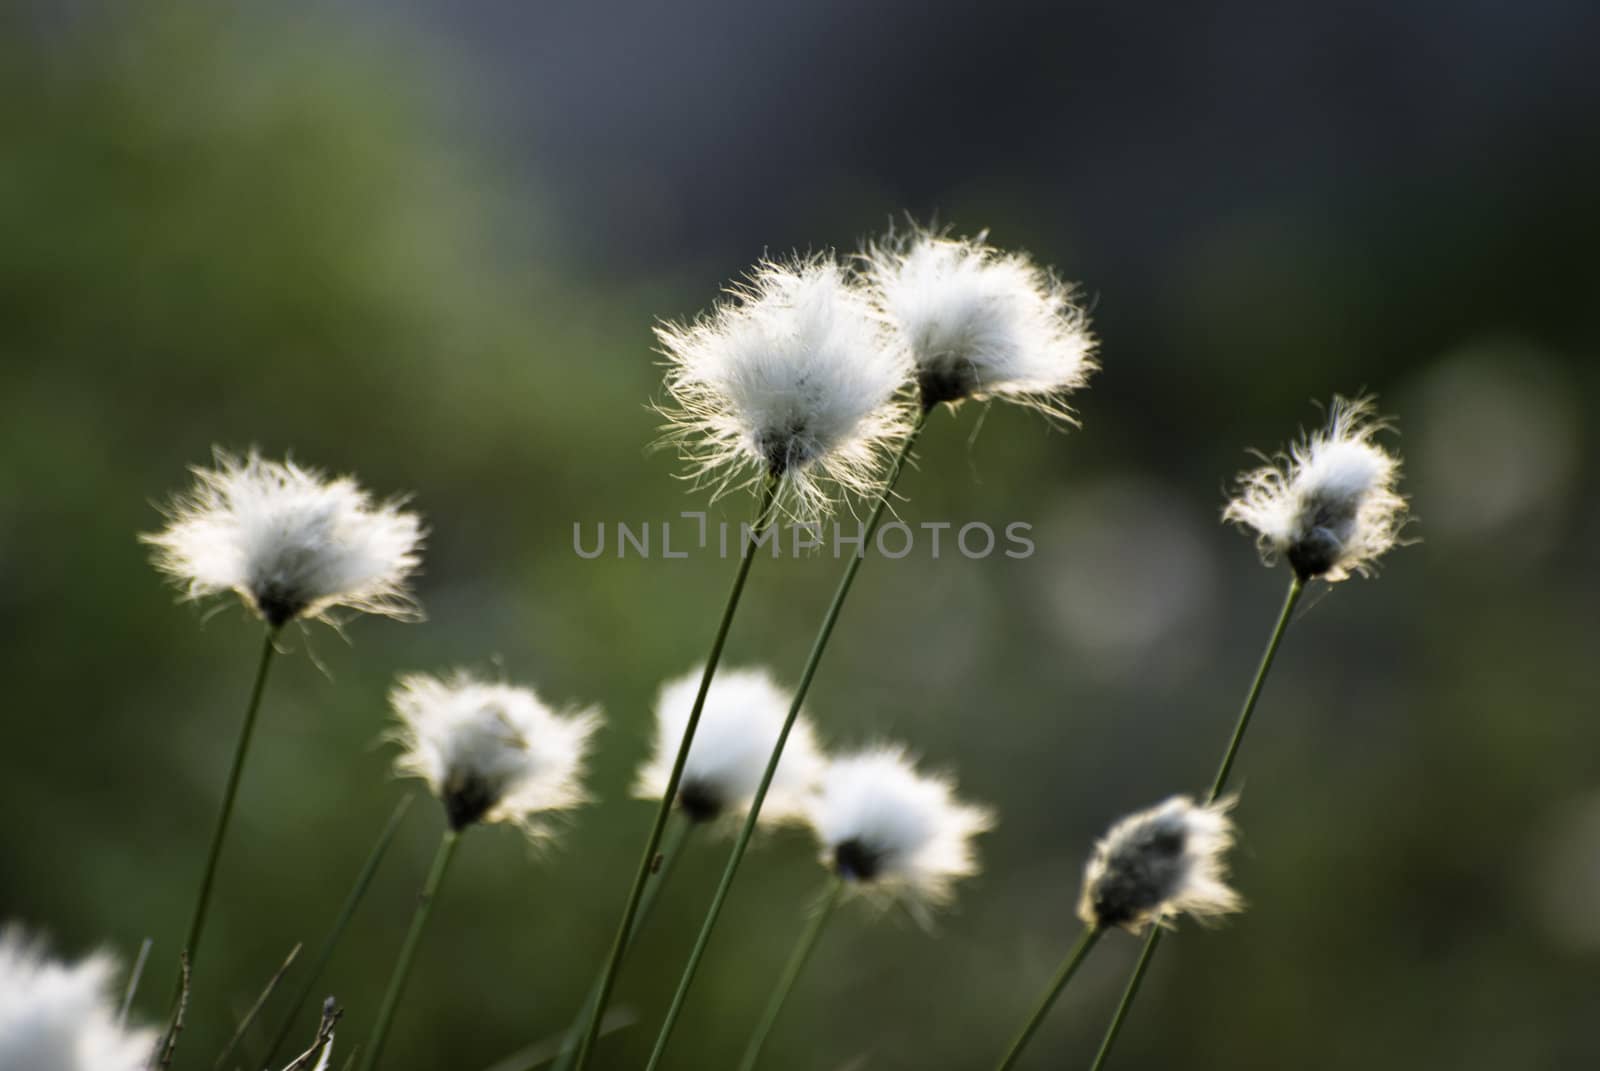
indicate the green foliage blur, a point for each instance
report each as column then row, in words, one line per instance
column 232, row 230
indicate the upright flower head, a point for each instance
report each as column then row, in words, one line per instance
column 886, row 828
column 292, row 543
column 790, row 378
column 491, row 752
column 59, row 1018
column 981, row 323
column 1160, row 863
column 739, row 724
column 1329, row 505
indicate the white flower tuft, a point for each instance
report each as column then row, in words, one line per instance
column 1160, row 863
column 491, row 752
column 981, row 323
column 791, row 378
column 290, row 542
column 55, row 1017
column 1329, row 505
column 886, row 828
column 739, row 724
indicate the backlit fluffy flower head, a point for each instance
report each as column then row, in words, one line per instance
column 889, row 830
column 491, row 752
column 292, row 543
column 1158, row 864
column 59, row 1018
column 1329, row 505
column 981, row 323
column 791, row 378
column 743, row 712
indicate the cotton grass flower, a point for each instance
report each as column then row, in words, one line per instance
column 891, row 831
column 291, row 542
column 1157, row 864
column 491, row 752
column 55, row 1017
column 980, row 323
column 1329, row 506
column 789, row 378
column 743, row 714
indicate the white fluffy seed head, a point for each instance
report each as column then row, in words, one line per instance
column 55, row 1017
column 1157, row 864
column 980, row 323
column 290, row 542
column 739, row 724
column 491, row 752
column 1329, row 505
column 790, row 378
column 891, row 831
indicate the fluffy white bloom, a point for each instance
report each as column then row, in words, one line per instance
column 1329, row 505
column 491, row 752
column 1160, row 863
column 789, row 378
column 55, row 1017
column 888, row 829
column 290, row 542
column 739, row 724
column 981, row 323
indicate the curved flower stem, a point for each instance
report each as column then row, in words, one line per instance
column 619, row 944
column 347, row 911
column 408, row 950
column 818, row 646
column 197, row 924
column 1218, row 786
column 791, row 972
column 671, row 850
column 1069, row 967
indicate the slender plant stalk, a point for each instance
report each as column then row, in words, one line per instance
column 619, row 944
column 1069, row 967
column 255, row 1010
column 197, row 925
column 818, row 646
column 369, row 869
column 408, row 951
column 671, row 850
column 791, row 972
column 1218, row 786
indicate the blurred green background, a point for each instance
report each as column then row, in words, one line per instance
column 426, row 243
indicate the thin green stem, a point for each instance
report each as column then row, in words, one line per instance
column 408, row 950
column 197, row 924
column 1128, row 994
column 1296, row 589
column 791, row 972
column 1218, row 786
column 671, row 849
column 369, row 870
column 641, row 878
column 818, row 646
column 1069, row 967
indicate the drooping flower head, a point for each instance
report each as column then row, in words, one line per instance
column 981, row 323
column 887, row 829
column 55, row 1017
column 790, row 378
column 1157, row 864
column 739, row 724
column 491, row 752
column 1329, row 506
column 290, row 542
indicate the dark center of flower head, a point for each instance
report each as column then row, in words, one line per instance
column 785, row 447
column 278, row 604
column 467, row 798
column 1140, row 874
column 946, row 381
column 1315, row 553
column 698, row 801
column 855, row 860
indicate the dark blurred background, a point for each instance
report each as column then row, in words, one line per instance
column 426, row 242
